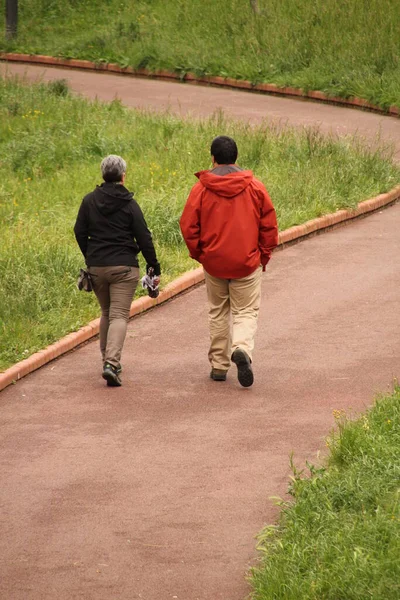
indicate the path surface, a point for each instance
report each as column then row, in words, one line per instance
column 155, row 491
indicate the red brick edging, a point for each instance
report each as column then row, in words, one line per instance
column 184, row 282
column 266, row 88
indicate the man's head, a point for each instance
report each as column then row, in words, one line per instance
column 113, row 169
column 224, row 150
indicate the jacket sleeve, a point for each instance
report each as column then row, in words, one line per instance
column 190, row 222
column 268, row 230
column 144, row 239
column 81, row 228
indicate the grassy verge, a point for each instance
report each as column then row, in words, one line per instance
column 51, row 145
column 340, row 539
column 343, row 48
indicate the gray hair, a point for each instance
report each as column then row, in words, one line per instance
column 112, row 168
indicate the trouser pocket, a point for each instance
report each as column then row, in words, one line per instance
column 123, row 272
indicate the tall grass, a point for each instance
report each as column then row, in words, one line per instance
column 343, row 48
column 51, row 145
column 340, row 538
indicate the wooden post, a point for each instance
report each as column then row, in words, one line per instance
column 11, row 18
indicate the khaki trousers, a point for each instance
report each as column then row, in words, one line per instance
column 239, row 298
column 114, row 288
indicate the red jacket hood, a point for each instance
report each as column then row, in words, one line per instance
column 228, row 185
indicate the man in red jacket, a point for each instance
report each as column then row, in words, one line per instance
column 229, row 226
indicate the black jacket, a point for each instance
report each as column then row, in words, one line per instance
column 111, row 230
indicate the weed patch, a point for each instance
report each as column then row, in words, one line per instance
column 340, row 537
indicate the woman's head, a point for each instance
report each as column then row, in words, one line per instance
column 113, row 168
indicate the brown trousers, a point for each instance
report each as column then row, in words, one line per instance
column 114, row 288
column 239, row 298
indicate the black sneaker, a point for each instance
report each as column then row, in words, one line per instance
column 111, row 375
column 218, row 375
column 243, row 363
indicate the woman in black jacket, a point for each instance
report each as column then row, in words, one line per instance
column 111, row 231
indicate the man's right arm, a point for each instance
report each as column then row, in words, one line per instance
column 190, row 221
column 268, row 229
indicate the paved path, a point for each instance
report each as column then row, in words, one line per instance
column 155, row 491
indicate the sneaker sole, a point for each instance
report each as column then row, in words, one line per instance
column 245, row 372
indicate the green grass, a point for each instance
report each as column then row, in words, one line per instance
column 339, row 539
column 51, row 146
column 343, row 48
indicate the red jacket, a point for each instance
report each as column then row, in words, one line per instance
column 229, row 224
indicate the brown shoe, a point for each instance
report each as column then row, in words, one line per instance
column 218, row 375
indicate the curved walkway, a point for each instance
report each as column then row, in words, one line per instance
column 155, row 491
